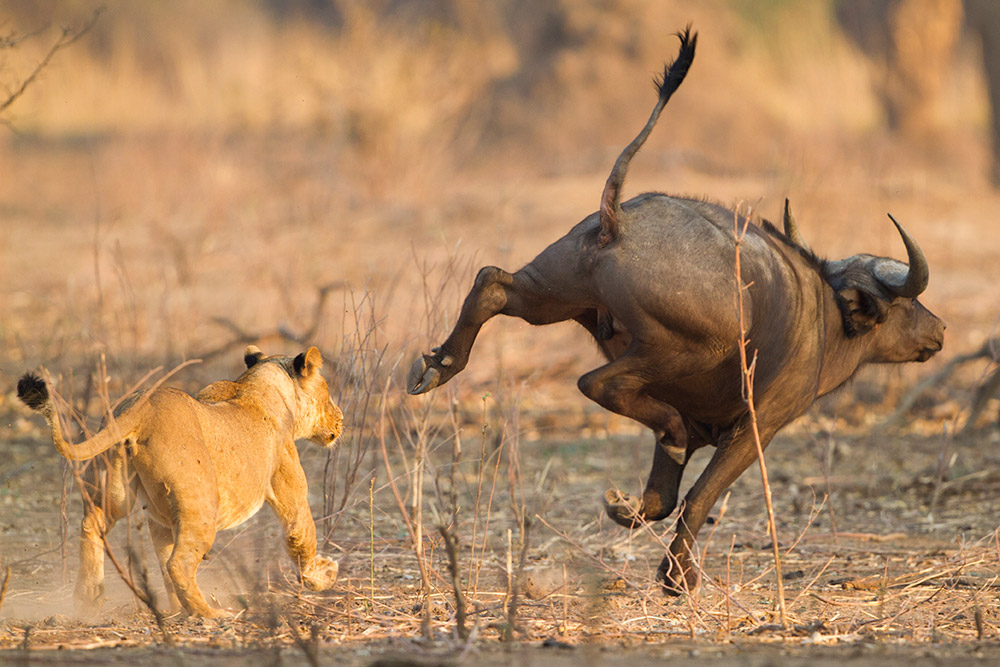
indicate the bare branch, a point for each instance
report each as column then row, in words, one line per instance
column 68, row 38
column 984, row 351
column 451, row 549
column 3, row 588
column 241, row 336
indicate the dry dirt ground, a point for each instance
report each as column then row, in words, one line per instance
column 871, row 575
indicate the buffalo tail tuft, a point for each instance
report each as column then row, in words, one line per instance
column 675, row 71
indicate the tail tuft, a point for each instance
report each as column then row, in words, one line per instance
column 667, row 83
column 674, row 72
column 32, row 391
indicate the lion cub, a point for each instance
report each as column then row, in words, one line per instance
column 204, row 464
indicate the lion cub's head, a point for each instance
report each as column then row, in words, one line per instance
column 317, row 418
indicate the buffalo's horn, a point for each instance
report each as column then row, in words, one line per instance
column 915, row 280
column 791, row 229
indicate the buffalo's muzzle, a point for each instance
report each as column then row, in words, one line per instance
column 930, row 350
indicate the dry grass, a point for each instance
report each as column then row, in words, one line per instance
column 339, row 187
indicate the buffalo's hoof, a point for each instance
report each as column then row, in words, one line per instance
column 675, row 580
column 623, row 508
column 423, row 376
column 427, row 372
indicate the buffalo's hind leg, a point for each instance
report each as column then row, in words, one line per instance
column 658, row 499
column 495, row 292
column 620, row 387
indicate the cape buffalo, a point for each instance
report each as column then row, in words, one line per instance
column 652, row 279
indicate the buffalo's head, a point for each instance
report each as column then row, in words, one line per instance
column 877, row 297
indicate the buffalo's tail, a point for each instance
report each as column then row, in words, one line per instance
column 34, row 393
column 673, row 75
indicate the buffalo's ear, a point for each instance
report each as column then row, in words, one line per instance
column 252, row 355
column 309, row 362
column 862, row 310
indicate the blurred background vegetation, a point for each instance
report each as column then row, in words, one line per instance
column 409, row 84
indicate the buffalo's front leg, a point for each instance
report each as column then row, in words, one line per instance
column 495, row 292
column 659, row 498
column 730, row 460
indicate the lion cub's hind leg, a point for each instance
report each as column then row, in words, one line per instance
column 90, row 579
column 193, row 517
column 163, row 543
column 100, row 514
column 194, row 539
column 289, row 499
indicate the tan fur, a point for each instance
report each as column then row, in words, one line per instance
column 207, row 463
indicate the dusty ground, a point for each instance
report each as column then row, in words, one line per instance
column 124, row 250
column 892, row 583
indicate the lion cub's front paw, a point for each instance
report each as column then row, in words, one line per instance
column 321, row 574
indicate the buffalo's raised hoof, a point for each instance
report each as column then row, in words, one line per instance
column 623, row 508
column 423, row 376
column 630, row 511
column 429, row 371
column 676, row 579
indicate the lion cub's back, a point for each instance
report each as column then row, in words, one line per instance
column 223, row 390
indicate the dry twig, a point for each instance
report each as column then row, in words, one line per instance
column 451, row 549
column 241, row 336
column 748, row 381
column 66, row 39
column 3, row 588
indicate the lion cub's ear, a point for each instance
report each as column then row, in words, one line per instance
column 309, row 362
column 252, row 355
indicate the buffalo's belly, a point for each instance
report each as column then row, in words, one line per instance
column 712, row 398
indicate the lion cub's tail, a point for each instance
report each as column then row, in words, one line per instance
column 34, row 393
